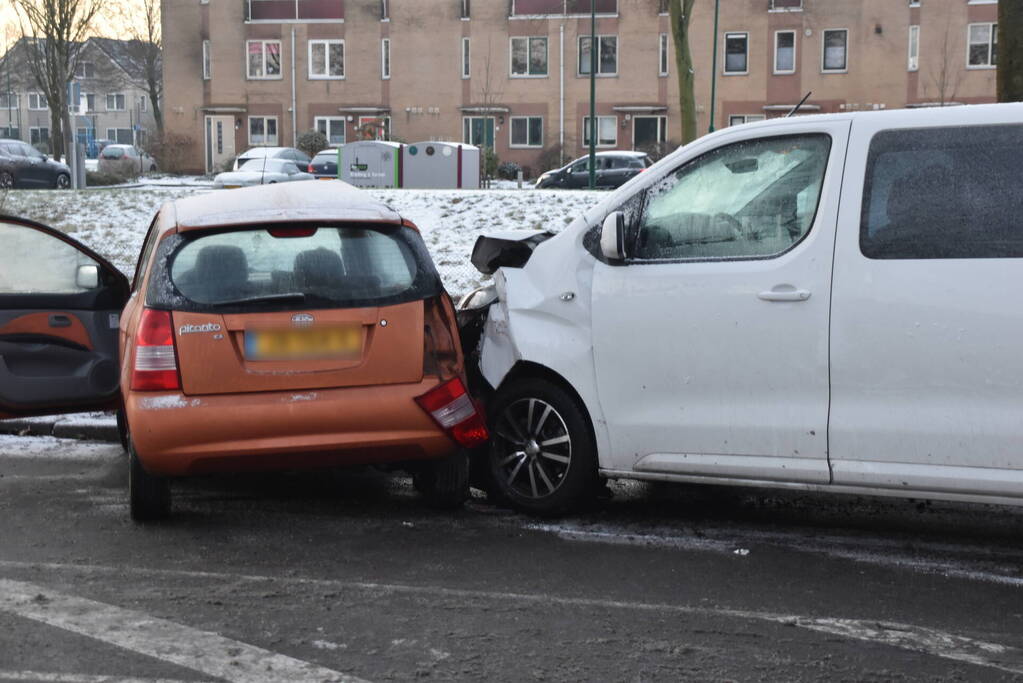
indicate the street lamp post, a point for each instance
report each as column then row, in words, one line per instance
column 714, row 67
column 593, row 94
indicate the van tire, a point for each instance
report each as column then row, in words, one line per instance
column 444, row 484
column 575, row 481
column 149, row 497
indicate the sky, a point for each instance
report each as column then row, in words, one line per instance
column 108, row 26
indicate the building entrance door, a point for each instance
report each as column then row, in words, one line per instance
column 219, row 142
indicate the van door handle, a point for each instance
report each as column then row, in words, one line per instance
column 785, row 293
column 59, row 320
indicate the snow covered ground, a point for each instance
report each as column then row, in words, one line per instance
column 114, row 221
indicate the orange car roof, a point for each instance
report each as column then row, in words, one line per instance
column 306, row 200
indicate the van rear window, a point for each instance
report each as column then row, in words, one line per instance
column 281, row 267
column 944, row 193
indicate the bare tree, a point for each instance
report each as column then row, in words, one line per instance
column 54, row 30
column 145, row 48
column 945, row 71
column 1010, row 52
column 680, row 12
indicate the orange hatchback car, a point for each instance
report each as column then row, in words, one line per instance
column 292, row 326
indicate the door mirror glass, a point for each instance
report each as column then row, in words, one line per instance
column 88, row 276
column 612, row 236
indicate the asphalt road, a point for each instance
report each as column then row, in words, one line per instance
column 347, row 576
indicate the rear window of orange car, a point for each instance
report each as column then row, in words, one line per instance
column 280, row 267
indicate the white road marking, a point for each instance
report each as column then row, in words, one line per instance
column 909, row 637
column 45, row 677
column 202, row 651
column 877, row 552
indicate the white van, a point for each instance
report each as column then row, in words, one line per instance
column 825, row 302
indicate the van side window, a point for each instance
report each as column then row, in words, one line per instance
column 752, row 199
column 944, row 193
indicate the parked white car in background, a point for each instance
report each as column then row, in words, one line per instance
column 300, row 158
column 262, row 172
column 826, row 302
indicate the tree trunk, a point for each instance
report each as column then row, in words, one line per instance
column 1010, row 51
column 680, row 11
column 56, row 139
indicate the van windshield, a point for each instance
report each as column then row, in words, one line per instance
column 292, row 266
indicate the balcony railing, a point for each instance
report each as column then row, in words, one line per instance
column 295, row 10
column 561, row 7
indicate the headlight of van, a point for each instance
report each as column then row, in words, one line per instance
column 478, row 298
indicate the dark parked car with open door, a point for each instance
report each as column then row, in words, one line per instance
column 22, row 165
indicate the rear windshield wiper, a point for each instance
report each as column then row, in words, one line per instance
column 264, row 298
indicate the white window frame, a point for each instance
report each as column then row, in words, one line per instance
column 143, row 103
column 599, row 143
column 663, row 56
column 115, row 95
column 511, row 134
column 326, row 76
column 468, row 120
column 90, row 101
column 529, row 45
column 824, row 47
column 600, row 43
column 913, row 59
column 38, row 136
column 992, row 42
column 37, row 96
column 207, row 60
column 795, row 53
column 724, row 59
column 112, row 135
column 262, row 75
column 13, row 104
column 746, row 118
column 385, row 58
column 328, row 128
column 265, row 142
column 466, row 57
column 772, row 8
column 662, row 128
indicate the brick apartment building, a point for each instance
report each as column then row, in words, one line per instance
column 513, row 74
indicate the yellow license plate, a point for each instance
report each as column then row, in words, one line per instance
column 320, row 342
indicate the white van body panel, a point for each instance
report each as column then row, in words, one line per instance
column 926, row 362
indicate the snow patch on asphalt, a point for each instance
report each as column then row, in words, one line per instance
column 168, row 402
column 52, row 448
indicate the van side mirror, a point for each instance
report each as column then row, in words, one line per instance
column 612, row 236
column 87, row 276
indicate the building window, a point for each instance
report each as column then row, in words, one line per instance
column 607, row 55
column 38, row 135
column 546, row 8
column 326, row 59
column 385, row 58
column 478, row 131
column 375, row 127
column 385, row 10
column 649, row 133
column 836, row 51
column 983, row 49
column 264, row 58
column 785, row 5
column 294, row 10
column 143, row 103
column 37, row 101
column 740, row 119
column 736, row 53
column 465, row 9
column 784, row 52
column 263, row 130
column 527, row 131
column 465, row 58
column 207, row 62
column 662, row 55
column 121, row 136
column 529, row 56
column 90, row 101
column 116, row 102
column 914, row 48
column 85, row 70
column 607, row 131
column 8, row 101
column 333, row 127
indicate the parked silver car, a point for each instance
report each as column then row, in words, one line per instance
column 283, row 153
column 261, row 172
column 125, row 160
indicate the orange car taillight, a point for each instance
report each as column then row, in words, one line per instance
column 453, row 409
column 156, row 365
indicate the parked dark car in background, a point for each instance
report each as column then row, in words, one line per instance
column 324, row 164
column 613, row 169
column 22, row 165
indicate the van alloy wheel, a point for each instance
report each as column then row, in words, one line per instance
column 534, row 448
